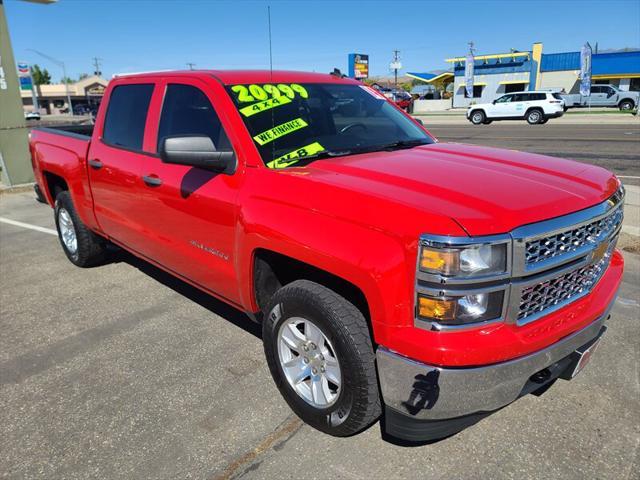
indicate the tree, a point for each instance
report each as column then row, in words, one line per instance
column 40, row 77
column 67, row 80
column 82, row 76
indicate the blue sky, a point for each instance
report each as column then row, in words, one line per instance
column 316, row 36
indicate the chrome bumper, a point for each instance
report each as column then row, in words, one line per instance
column 428, row 392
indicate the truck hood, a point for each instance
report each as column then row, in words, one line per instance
column 485, row 190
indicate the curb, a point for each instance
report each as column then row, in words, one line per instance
column 21, row 188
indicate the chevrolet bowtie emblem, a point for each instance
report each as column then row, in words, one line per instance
column 600, row 251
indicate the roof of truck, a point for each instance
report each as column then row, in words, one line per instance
column 231, row 77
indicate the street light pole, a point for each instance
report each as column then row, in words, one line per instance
column 60, row 63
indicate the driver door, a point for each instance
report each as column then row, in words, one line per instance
column 502, row 106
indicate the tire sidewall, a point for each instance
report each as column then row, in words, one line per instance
column 530, row 113
column 63, row 201
column 333, row 418
column 626, row 102
column 480, row 115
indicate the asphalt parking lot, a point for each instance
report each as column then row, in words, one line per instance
column 121, row 371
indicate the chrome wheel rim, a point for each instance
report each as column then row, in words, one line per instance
column 477, row 118
column 534, row 117
column 309, row 362
column 67, row 231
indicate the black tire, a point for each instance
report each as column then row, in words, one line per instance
column 543, row 121
column 357, row 404
column 626, row 105
column 487, row 122
column 477, row 117
column 534, row 116
column 91, row 249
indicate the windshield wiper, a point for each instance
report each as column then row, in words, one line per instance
column 402, row 144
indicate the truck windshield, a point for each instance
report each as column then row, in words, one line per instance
column 292, row 124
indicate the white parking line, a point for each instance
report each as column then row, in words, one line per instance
column 28, row 225
column 626, row 176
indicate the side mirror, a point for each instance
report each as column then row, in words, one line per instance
column 494, row 102
column 419, row 121
column 196, row 151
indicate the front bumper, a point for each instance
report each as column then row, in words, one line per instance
column 419, row 393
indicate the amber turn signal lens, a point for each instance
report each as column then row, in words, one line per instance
column 436, row 308
column 440, row 261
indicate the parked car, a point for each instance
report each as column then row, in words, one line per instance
column 32, row 115
column 603, row 96
column 435, row 282
column 534, row 107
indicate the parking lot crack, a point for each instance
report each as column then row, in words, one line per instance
column 284, row 431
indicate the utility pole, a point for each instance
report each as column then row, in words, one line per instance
column 61, row 64
column 395, row 66
column 96, row 66
column 191, row 65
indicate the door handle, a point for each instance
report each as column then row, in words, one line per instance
column 152, row 181
column 95, row 164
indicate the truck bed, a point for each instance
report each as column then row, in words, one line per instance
column 69, row 130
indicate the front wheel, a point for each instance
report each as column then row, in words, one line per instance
column 321, row 358
column 534, row 117
column 478, row 117
column 626, row 105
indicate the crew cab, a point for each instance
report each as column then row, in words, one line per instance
column 395, row 276
column 534, row 107
column 603, row 96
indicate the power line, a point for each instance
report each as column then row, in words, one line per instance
column 191, row 65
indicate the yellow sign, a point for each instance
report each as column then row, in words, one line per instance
column 295, row 156
column 266, row 105
column 255, row 92
column 280, row 131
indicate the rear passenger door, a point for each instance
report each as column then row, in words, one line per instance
column 519, row 105
column 115, row 159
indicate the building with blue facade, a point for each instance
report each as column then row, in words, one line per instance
column 497, row 74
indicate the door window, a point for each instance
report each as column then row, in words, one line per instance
column 127, row 115
column 504, row 99
column 187, row 111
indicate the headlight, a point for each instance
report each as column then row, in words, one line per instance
column 464, row 261
column 461, row 310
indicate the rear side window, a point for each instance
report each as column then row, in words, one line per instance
column 538, row 96
column 187, row 111
column 557, row 96
column 521, row 97
column 126, row 115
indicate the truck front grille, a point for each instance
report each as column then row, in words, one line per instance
column 569, row 241
column 561, row 290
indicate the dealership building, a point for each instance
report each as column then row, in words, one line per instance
column 497, row 74
column 53, row 99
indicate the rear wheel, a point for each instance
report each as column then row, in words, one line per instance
column 534, row 117
column 81, row 246
column 543, row 121
column 478, row 117
column 626, row 105
column 321, row 358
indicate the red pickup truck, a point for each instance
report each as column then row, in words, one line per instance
column 395, row 277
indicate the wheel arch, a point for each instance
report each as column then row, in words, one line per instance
column 272, row 270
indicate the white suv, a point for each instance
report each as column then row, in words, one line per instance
column 534, row 107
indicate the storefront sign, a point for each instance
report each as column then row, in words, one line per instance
column 358, row 65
